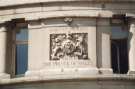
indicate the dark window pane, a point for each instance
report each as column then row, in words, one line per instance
column 119, row 33
column 21, row 58
column 119, row 56
column 22, row 34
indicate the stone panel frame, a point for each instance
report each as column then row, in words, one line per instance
column 69, row 46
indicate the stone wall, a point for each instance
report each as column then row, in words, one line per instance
column 69, row 19
column 49, row 62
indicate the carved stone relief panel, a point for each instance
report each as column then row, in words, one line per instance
column 71, row 46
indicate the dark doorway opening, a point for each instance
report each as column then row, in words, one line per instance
column 119, row 56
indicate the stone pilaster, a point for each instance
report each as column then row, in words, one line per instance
column 131, row 46
column 104, row 46
column 3, row 74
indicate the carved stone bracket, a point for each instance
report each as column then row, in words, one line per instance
column 68, row 20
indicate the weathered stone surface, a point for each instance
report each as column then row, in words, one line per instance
column 59, row 59
column 69, row 43
column 95, row 82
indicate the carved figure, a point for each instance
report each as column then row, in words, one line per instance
column 68, row 45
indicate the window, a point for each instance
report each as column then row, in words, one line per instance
column 21, row 50
column 119, row 50
column 119, row 56
column 18, row 48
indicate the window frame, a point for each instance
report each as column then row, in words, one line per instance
column 123, row 23
column 14, row 44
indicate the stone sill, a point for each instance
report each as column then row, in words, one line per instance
column 7, row 3
column 28, row 80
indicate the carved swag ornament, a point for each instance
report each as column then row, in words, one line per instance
column 68, row 46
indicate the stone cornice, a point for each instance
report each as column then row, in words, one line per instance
column 41, row 9
column 7, row 3
column 60, row 14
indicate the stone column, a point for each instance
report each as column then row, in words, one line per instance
column 131, row 46
column 104, row 46
column 3, row 74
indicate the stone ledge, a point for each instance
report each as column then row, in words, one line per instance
column 105, row 71
column 131, row 72
column 63, row 73
column 25, row 80
column 4, row 76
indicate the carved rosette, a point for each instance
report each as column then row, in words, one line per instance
column 69, row 46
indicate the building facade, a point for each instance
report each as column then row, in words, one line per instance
column 60, row 44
